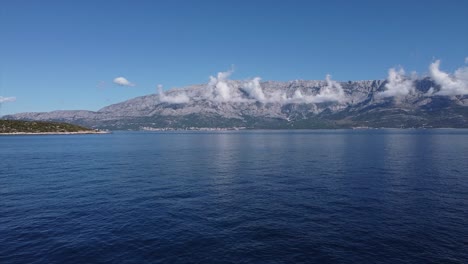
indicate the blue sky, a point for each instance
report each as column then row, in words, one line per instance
column 65, row 54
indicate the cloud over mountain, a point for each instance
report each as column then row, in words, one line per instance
column 450, row 84
column 398, row 84
column 219, row 87
column 254, row 89
column 331, row 92
column 179, row 98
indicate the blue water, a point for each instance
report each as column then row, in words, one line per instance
column 343, row 196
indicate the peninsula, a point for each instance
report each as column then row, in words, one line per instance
column 18, row 127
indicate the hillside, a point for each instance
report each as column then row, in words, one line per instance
column 283, row 105
column 35, row 127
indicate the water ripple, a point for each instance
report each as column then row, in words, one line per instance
column 236, row 197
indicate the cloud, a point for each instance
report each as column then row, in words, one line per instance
column 450, row 84
column 398, row 84
column 180, row 98
column 277, row 97
column 254, row 89
column 331, row 92
column 123, row 82
column 220, row 86
column 7, row 99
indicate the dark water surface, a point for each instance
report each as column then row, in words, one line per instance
column 371, row 196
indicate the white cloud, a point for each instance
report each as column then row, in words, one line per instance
column 450, row 84
column 123, row 82
column 220, row 86
column 254, row 89
column 398, row 84
column 7, row 99
column 179, row 98
column 277, row 97
column 331, row 92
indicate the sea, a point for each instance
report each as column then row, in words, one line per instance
column 252, row 196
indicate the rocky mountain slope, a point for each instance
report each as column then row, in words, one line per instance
column 227, row 103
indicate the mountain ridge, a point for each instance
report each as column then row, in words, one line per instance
column 326, row 103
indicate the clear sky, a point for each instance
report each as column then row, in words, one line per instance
column 66, row 54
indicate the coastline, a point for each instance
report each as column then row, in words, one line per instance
column 54, row 133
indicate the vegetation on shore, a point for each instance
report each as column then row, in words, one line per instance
column 17, row 126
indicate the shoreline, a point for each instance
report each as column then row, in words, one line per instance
column 54, row 133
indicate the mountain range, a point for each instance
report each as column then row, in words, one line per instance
column 253, row 104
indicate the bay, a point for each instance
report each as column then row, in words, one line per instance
column 302, row 196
